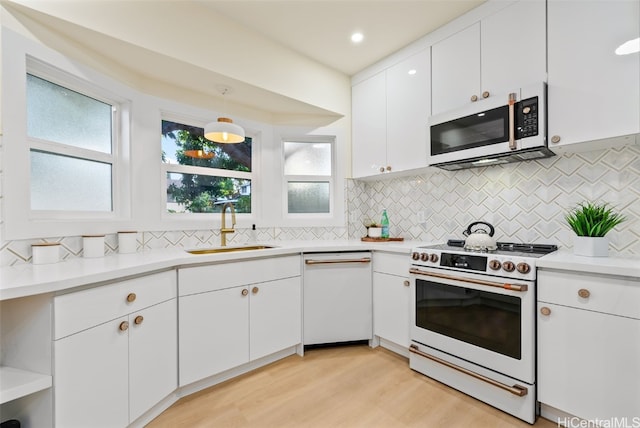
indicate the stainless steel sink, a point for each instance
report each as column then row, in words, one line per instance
column 228, row 249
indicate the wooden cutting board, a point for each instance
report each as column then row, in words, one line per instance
column 368, row 239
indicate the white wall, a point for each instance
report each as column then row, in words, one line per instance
column 145, row 211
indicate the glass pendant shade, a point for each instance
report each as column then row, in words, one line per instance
column 224, row 131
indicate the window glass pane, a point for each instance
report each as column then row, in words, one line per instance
column 58, row 114
column 69, row 184
column 307, row 158
column 308, row 197
column 186, row 145
column 197, row 193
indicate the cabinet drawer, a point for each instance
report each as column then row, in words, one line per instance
column 393, row 264
column 80, row 310
column 600, row 293
column 226, row 275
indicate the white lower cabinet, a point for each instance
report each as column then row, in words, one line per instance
column 91, row 378
column 213, row 333
column 589, row 345
column 110, row 374
column 275, row 317
column 153, row 356
column 225, row 327
column 391, row 298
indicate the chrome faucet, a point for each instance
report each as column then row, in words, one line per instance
column 223, row 229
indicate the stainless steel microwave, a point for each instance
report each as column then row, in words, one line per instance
column 495, row 130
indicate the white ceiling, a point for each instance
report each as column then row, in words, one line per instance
column 316, row 29
column 321, row 29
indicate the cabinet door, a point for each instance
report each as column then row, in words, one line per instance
column 593, row 93
column 588, row 363
column 213, row 333
column 408, row 107
column 91, row 378
column 153, row 356
column 369, row 126
column 275, row 316
column 391, row 308
column 513, row 48
column 455, row 70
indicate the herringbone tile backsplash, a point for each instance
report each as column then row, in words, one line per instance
column 525, row 202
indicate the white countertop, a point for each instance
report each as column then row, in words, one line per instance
column 28, row 279
column 628, row 266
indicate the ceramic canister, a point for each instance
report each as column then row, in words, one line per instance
column 93, row 246
column 45, row 253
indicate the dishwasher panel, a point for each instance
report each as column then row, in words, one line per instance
column 337, row 297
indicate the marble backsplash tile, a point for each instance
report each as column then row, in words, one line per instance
column 525, row 202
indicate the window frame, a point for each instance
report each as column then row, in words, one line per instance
column 44, row 71
column 165, row 168
column 286, row 179
column 19, row 58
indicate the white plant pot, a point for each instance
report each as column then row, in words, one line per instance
column 374, row 232
column 590, row 246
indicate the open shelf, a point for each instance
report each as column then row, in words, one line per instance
column 16, row 383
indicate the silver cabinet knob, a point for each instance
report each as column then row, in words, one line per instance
column 555, row 139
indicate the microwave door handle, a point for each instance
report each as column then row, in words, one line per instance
column 512, row 121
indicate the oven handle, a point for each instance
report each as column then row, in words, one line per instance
column 506, row 286
column 512, row 121
column 337, row 261
column 518, row 390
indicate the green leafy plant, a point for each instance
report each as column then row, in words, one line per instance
column 590, row 219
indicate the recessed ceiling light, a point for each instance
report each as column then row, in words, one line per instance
column 357, row 37
column 412, row 71
column 632, row 46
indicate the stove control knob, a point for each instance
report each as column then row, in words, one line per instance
column 424, row 257
column 434, row 258
column 523, row 267
column 494, row 264
column 508, row 266
column 415, row 255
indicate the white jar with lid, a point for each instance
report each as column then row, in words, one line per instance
column 45, row 253
column 92, row 246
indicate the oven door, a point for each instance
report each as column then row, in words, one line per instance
column 476, row 318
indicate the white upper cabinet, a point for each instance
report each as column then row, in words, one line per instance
column 389, row 113
column 369, row 125
column 408, row 95
column 594, row 94
column 502, row 52
column 455, row 71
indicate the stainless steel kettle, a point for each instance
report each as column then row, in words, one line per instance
column 479, row 239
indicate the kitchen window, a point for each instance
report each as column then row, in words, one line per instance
column 71, row 149
column 309, row 176
column 200, row 175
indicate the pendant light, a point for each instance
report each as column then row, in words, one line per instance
column 224, row 130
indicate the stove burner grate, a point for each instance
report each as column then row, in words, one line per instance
column 512, row 246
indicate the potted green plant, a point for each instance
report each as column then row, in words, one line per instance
column 374, row 230
column 591, row 222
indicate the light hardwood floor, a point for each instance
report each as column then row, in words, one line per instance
column 349, row 386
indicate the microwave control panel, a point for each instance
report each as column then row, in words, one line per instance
column 527, row 118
